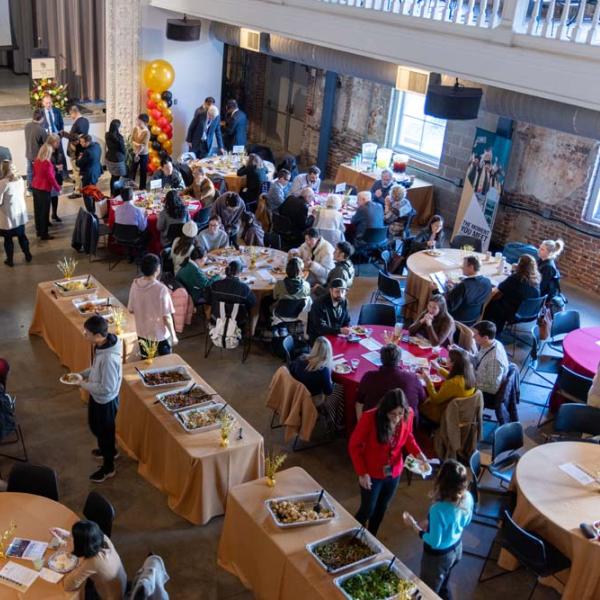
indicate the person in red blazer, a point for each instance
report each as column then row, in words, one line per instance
column 375, row 448
column 42, row 184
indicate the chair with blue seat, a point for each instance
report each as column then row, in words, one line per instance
column 573, row 421
column 389, row 290
column 508, row 439
column 528, row 312
column 373, row 241
column 539, row 365
column 562, row 323
column 377, row 314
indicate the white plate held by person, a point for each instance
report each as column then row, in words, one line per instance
column 71, row 379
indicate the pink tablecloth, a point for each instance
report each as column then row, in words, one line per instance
column 351, row 380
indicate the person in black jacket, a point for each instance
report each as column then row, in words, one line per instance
column 115, row 154
column 256, row 174
column 523, row 284
column 203, row 130
column 79, row 127
column 430, row 237
column 295, row 208
column 329, row 314
column 89, row 162
column 548, row 252
column 235, row 132
column 466, row 299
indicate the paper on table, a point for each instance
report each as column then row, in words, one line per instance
column 370, row 344
column 26, row 549
column 411, row 359
column 339, row 361
column 51, row 576
column 264, row 274
column 16, row 576
column 373, row 357
column 572, row 470
column 446, row 261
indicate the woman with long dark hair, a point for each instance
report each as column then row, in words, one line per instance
column 376, row 449
column 431, row 236
column 434, row 323
column 115, row 154
column 256, row 174
column 174, row 212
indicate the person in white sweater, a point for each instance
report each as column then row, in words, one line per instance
column 329, row 220
column 317, row 254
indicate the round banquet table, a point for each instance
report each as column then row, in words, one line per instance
column 218, row 168
column 553, row 504
column 33, row 516
column 582, row 350
column 421, row 265
column 350, row 381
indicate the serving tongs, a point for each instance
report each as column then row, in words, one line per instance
column 318, row 507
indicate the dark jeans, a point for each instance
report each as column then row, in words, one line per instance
column 41, row 211
column 436, row 570
column 9, row 247
column 101, row 419
column 54, row 205
column 143, row 166
column 374, row 502
column 164, row 347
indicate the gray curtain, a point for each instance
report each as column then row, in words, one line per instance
column 74, row 33
column 22, row 19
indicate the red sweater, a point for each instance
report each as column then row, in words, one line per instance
column 43, row 176
column 369, row 456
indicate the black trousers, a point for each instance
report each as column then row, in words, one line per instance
column 143, row 165
column 41, row 211
column 54, row 205
column 101, row 420
column 9, row 246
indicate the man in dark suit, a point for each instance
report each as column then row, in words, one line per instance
column 79, row 127
column 89, row 162
column 35, row 136
column 466, row 299
column 236, row 126
column 295, row 208
column 53, row 123
column 203, row 130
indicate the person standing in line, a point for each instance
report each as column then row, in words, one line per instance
column 54, row 123
column 140, row 138
column 43, row 184
column 150, row 301
column 236, row 126
column 441, row 532
column 80, row 126
column 53, row 140
column 35, row 136
column 115, row 154
column 103, row 381
column 376, row 449
column 89, row 162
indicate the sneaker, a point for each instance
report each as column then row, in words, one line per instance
column 101, row 475
column 57, row 219
column 97, row 454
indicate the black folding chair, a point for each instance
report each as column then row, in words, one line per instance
column 272, row 240
column 573, row 421
column 539, row 365
column 390, row 290
column 377, row 314
column 373, row 241
column 8, row 406
column 128, row 236
column 460, row 241
column 243, row 322
column 202, row 217
column 32, row 479
column 282, row 226
column 508, row 439
column 98, row 509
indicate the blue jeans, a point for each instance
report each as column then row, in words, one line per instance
column 374, row 502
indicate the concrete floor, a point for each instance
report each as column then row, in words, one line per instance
column 54, row 423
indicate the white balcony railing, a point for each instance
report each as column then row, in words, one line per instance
column 576, row 21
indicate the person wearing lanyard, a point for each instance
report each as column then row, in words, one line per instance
column 375, row 448
column 53, row 123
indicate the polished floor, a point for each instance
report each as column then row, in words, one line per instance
column 54, row 422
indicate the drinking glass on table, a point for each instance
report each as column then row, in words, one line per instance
column 354, row 363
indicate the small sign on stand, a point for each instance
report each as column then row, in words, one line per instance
column 43, row 68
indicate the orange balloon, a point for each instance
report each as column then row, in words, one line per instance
column 168, row 146
column 155, row 97
column 162, row 137
column 156, row 130
column 159, row 75
column 169, row 118
column 162, row 106
column 151, row 123
column 155, row 162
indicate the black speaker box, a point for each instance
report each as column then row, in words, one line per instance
column 452, row 102
column 183, row 30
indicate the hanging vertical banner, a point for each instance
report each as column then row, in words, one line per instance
column 484, row 182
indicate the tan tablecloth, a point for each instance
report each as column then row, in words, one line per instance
column 34, row 515
column 190, row 468
column 56, row 319
column 420, row 193
column 553, row 504
column 420, row 266
column 274, row 562
column 233, row 182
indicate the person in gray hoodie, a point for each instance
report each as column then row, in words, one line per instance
column 149, row 582
column 103, row 381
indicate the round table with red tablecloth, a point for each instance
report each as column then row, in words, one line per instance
column 350, row 350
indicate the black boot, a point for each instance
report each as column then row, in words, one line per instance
column 24, row 243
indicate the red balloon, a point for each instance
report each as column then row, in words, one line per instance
column 150, row 168
column 168, row 128
column 170, row 134
column 149, row 93
column 156, row 114
column 162, row 122
column 150, row 104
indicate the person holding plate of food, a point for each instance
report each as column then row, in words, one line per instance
column 434, row 323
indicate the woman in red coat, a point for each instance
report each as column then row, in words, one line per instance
column 376, row 451
column 43, row 183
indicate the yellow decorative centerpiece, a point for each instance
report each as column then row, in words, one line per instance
column 118, row 319
column 273, row 462
column 468, row 248
column 226, row 422
column 5, row 537
column 253, row 256
column 149, row 350
column 67, row 267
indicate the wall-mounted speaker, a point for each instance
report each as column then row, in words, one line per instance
column 453, row 102
column 183, row 30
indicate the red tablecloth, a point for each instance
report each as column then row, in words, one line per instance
column 351, row 380
column 154, row 244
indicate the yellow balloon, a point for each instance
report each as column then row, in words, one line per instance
column 155, row 162
column 156, row 130
column 169, row 118
column 162, row 106
column 156, row 97
column 167, row 112
column 168, row 146
column 162, row 138
column 159, row 75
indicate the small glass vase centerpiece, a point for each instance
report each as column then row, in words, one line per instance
column 6, row 536
column 67, row 267
column 118, row 319
column 149, row 350
column 226, row 422
column 273, row 462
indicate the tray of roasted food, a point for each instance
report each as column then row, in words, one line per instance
column 378, row 581
column 185, row 397
column 201, row 418
column 100, row 306
column 298, row 511
column 76, row 285
column 344, row 550
column 164, row 376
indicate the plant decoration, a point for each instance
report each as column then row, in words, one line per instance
column 149, row 350
column 67, row 267
column 226, row 422
column 468, row 248
column 5, row 537
column 253, row 257
column 119, row 319
column 42, row 87
column 273, row 462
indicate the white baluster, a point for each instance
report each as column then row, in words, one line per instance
column 434, row 4
column 563, row 19
column 470, row 9
column 579, row 20
column 549, row 20
column 482, row 11
column 457, row 11
column 414, row 8
column 495, row 14
column 533, row 20
column 594, row 25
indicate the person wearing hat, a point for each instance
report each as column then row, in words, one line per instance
column 184, row 246
column 329, row 314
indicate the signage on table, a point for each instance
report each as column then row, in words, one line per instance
column 484, row 182
column 155, row 184
column 340, row 188
column 43, row 68
column 238, row 149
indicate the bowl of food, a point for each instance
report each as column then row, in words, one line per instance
column 299, row 511
column 100, row 306
column 71, row 379
column 342, row 368
column 185, row 397
column 62, row 561
column 201, row 418
column 76, row 285
column 164, row 376
column 344, row 550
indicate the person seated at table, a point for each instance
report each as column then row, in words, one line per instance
column 434, row 323
column 278, row 191
column 431, row 236
column 466, row 299
column 548, row 252
column 229, row 207
column 168, row 175
column 295, row 208
column 381, row 188
column 343, row 267
column 185, row 245
column 368, row 215
column 329, row 220
column 174, row 212
column 490, row 362
column 251, row 233
column 522, row 284
column 317, row 254
column 230, row 290
column 98, row 561
column 329, row 314
column 390, row 375
column 398, row 212
column 150, row 301
column 256, row 174
column 459, row 382
column 201, row 188
column 311, row 179
column 192, row 277
column 214, row 236
column 314, row 369
column 128, row 213
column 292, row 287
column 289, row 163
column 593, row 398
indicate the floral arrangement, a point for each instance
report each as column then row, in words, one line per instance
column 57, row 91
column 468, row 248
column 149, row 349
column 227, row 423
column 273, row 462
column 118, row 319
column 67, row 267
